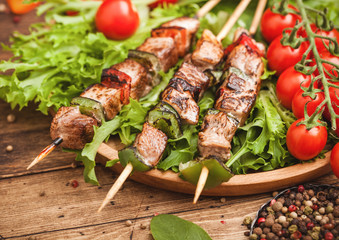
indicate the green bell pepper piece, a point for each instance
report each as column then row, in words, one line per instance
column 89, row 107
column 130, row 154
column 218, row 172
column 166, row 119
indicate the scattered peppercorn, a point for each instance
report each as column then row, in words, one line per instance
column 10, row 118
column 9, row 148
column 305, row 212
column 74, row 183
column 128, row 223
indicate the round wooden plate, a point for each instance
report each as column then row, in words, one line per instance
column 237, row 186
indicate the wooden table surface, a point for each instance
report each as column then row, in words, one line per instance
column 41, row 204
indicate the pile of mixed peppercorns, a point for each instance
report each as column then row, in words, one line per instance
column 307, row 212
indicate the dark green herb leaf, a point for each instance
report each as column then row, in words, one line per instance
column 165, row 227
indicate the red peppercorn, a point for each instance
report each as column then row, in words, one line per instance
column 315, row 207
column 301, row 188
column 222, row 221
column 296, row 235
column 292, row 208
column 74, row 183
column 261, row 220
column 310, row 225
column 328, row 236
column 16, row 19
column 272, row 202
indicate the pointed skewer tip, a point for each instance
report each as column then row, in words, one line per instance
column 201, row 183
column 117, row 185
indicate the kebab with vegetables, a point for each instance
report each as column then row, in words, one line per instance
column 72, row 127
column 178, row 104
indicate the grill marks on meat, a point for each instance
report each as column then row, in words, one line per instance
column 162, row 47
column 73, row 127
column 237, row 94
column 216, row 134
column 183, row 103
column 234, row 99
column 138, row 75
column 190, row 24
column 150, row 144
column 208, row 52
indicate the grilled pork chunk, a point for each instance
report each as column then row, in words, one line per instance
column 151, row 144
column 162, row 47
column 246, row 60
column 194, row 77
column 179, row 35
column 216, row 134
column 110, row 98
column 73, row 127
column 183, row 103
column 208, row 52
column 190, row 24
column 138, row 74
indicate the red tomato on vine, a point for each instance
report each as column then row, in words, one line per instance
column 305, row 144
column 335, row 160
column 319, row 42
column 273, row 24
column 281, row 57
column 288, row 85
column 299, row 102
column 327, row 56
column 117, row 19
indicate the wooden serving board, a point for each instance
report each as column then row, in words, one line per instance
column 238, row 185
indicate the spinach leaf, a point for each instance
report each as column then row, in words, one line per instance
column 165, row 226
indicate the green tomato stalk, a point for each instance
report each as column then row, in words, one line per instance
column 323, row 23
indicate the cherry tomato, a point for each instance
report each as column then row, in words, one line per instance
column 305, row 144
column 335, row 160
column 162, row 3
column 117, row 19
column 319, row 42
column 19, row 7
column 281, row 57
column 334, row 100
column 326, row 55
column 298, row 103
column 273, row 24
column 289, row 83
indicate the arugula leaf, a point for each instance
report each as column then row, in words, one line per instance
column 165, row 226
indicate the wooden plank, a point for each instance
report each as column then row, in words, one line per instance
column 50, row 208
column 28, row 135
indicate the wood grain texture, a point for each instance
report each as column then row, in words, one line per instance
column 237, row 186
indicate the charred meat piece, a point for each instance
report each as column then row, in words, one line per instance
column 179, row 35
column 194, row 77
column 208, row 52
column 183, row 103
column 246, row 60
column 164, row 48
column 110, row 98
column 73, row 127
column 150, row 145
column 138, row 74
column 216, row 134
column 190, row 24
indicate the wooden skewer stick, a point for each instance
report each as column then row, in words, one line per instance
column 129, row 167
column 47, row 150
column 201, row 183
column 117, row 185
column 236, row 14
column 202, row 12
column 257, row 16
column 206, row 8
column 233, row 18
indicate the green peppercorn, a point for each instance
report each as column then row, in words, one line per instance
column 308, row 210
column 254, row 236
column 329, row 209
column 247, row 220
column 292, row 228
